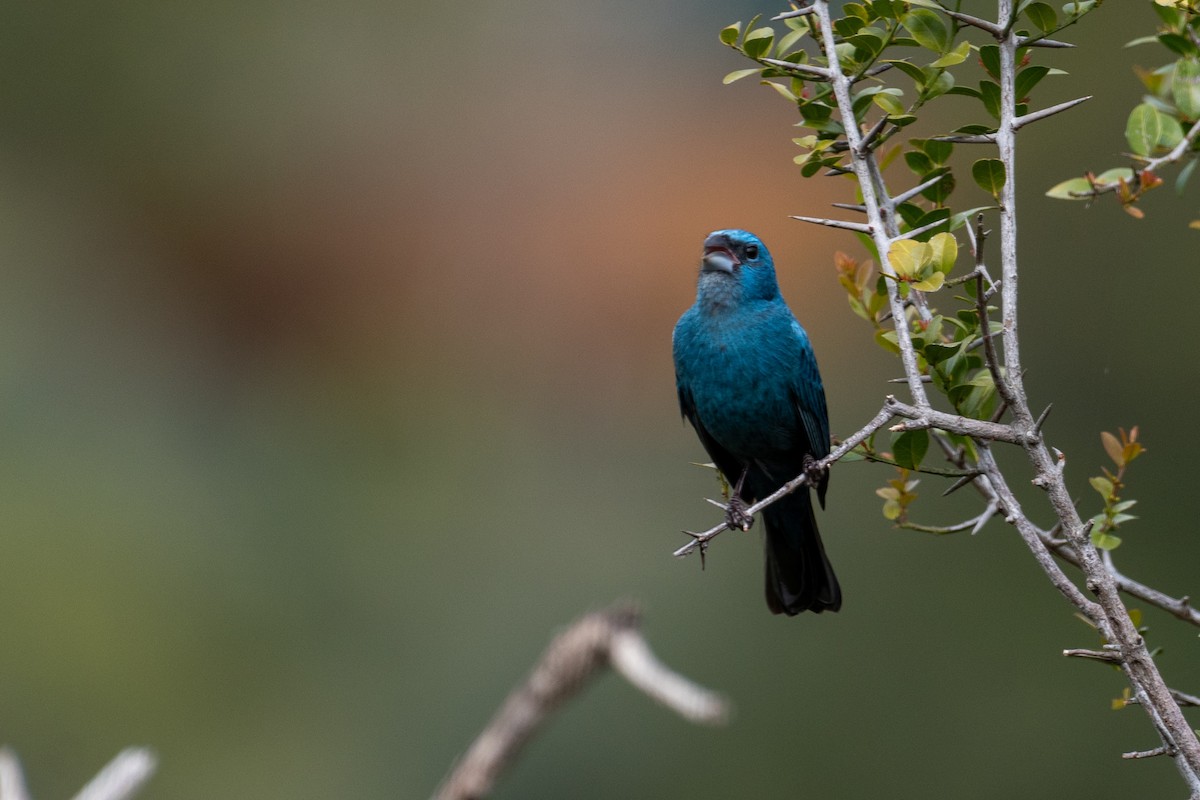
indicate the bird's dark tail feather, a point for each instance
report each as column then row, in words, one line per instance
column 799, row 576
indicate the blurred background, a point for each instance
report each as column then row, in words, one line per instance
column 335, row 377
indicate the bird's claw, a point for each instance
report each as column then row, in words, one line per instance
column 813, row 470
column 735, row 514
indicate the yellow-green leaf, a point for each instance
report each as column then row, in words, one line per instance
column 932, row 283
column 1143, row 129
column 738, row 74
column 955, row 56
column 1102, row 485
column 907, row 257
column 944, row 248
column 1073, row 189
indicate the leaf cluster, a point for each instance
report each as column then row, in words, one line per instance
column 1122, row 450
column 1158, row 130
column 900, row 56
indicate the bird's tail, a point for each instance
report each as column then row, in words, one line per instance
column 799, row 576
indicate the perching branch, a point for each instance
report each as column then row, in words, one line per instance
column 575, row 657
column 1098, row 600
column 120, row 779
column 701, row 540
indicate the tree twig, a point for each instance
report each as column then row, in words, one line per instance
column 575, row 657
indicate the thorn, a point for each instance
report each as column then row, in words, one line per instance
column 958, row 484
column 870, row 136
column 922, row 229
column 799, row 12
column 1030, row 41
column 1021, row 122
column 835, row 171
column 859, row 227
column 982, row 24
column 1000, row 411
column 989, row 512
column 916, row 190
column 851, row 207
column 1037, row 426
column 1095, row 655
column 876, row 70
column 820, row 73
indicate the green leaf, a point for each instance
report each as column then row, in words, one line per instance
column 738, row 74
column 919, row 162
column 1029, row 78
column 789, row 40
column 1073, row 189
column 783, row 90
column 989, row 175
column 1105, row 541
column 962, row 217
column 888, row 103
column 1042, row 15
column 989, row 92
column 1115, row 175
column 919, row 75
column 989, row 54
column 730, row 33
column 1143, row 129
column 1077, row 8
column 955, row 56
column 928, row 29
column 1178, row 44
column 1102, row 485
column 938, row 152
column 757, row 43
column 1185, row 88
column 909, row 447
column 1172, row 131
column 1185, row 173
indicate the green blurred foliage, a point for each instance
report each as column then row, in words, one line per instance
column 335, row 377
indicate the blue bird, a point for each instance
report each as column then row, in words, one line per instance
column 748, row 383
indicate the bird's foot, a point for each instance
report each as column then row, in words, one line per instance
column 813, row 470
column 735, row 514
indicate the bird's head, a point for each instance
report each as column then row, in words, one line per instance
column 736, row 266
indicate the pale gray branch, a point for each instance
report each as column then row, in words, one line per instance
column 122, row 777
column 569, row 663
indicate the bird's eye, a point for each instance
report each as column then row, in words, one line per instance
column 751, row 251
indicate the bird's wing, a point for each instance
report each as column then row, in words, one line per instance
column 809, row 395
column 730, row 465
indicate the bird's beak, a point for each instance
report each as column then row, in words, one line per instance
column 718, row 258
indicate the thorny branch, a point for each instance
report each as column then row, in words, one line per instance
column 569, row 663
column 120, row 779
column 1101, row 605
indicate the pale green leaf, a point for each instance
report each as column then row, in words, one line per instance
column 738, row 74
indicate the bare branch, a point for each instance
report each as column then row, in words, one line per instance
column 1158, row 751
column 701, row 540
column 569, row 663
column 122, row 777
column 12, row 781
column 982, row 24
